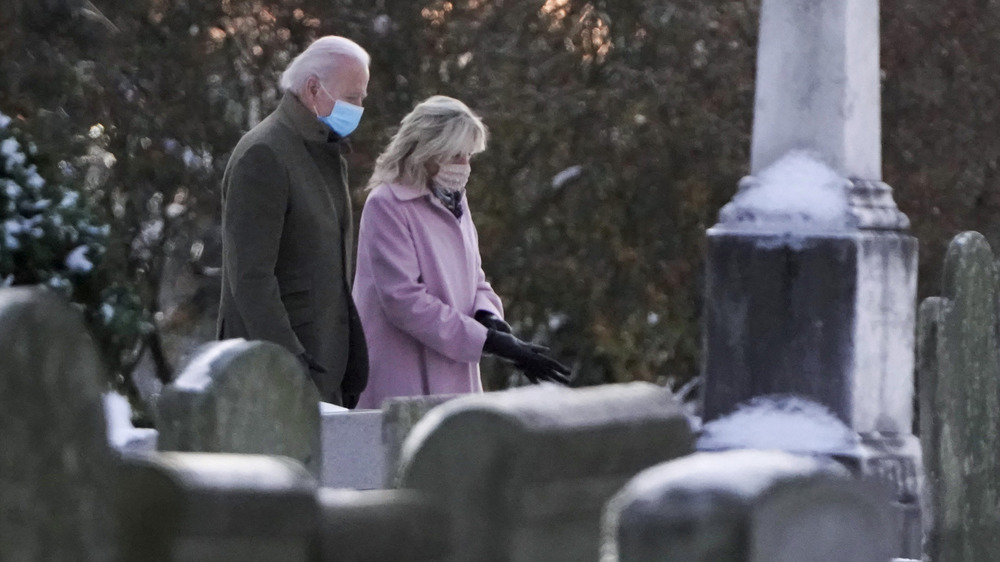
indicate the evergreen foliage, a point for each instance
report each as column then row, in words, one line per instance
column 51, row 235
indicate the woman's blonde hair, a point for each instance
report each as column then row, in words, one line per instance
column 438, row 129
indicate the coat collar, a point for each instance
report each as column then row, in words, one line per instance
column 291, row 112
column 407, row 192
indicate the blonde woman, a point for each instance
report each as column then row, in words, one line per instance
column 428, row 312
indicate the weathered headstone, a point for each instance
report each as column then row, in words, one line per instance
column 177, row 507
column 959, row 381
column 56, row 468
column 746, row 506
column 524, row 474
column 237, row 396
column 810, row 273
column 400, row 416
column 353, row 455
column 384, row 525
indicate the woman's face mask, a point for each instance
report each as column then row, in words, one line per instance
column 453, row 177
column 344, row 117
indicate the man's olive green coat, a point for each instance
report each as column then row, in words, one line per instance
column 287, row 238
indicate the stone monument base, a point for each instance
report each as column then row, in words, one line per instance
column 825, row 316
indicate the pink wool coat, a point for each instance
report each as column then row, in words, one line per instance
column 418, row 282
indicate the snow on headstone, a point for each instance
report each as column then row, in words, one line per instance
column 122, row 435
column 799, row 190
column 784, row 423
column 246, row 397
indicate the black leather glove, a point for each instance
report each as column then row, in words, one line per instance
column 527, row 357
column 490, row 320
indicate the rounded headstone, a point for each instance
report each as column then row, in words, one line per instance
column 56, row 467
column 239, row 396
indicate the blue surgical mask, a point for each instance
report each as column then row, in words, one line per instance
column 344, row 117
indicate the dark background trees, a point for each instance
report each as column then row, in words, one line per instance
column 620, row 127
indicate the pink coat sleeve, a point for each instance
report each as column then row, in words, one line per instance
column 404, row 300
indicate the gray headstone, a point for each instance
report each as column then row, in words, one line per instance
column 959, row 381
column 746, row 506
column 525, row 473
column 237, row 396
column 400, row 416
column 379, row 526
column 56, row 468
column 177, row 507
column 353, row 455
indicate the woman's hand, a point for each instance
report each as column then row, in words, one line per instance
column 490, row 320
column 527, row 357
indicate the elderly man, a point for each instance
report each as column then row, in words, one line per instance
column 287, row 223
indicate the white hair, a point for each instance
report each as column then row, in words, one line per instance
column 438, row 129
column 320, row 59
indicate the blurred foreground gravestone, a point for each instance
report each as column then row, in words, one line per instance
column 524, row 474
column 747, row 506
column 237, row 396
column 177, row 507
column 211, row 507
column 795, row 425
column 810, row 273
column 56, row 468
column 959, row 376
column 379, row 526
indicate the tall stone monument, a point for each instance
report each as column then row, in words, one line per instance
column 811, row 275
